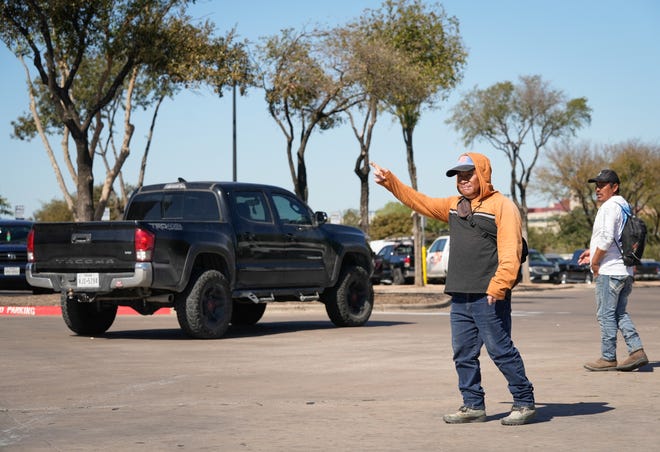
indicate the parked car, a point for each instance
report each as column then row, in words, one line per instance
column 377, row 245
column 437, row 258
column 13, row 254
column 648, row 269
column 571, row 271
column 554, row 258
column 541, row 269
column 394, row 264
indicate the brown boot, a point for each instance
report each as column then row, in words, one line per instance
column 601, row 364
column 634, row 361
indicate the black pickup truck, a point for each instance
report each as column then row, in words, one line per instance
column 217, row 252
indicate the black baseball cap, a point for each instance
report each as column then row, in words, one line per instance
column 606, row 175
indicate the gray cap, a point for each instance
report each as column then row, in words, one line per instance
column 464, row 163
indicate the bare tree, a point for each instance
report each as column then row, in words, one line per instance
column 569, row 166
column 564, row 175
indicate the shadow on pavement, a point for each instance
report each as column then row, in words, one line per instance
column 548, row 411
column 258, row 330
column 650, row 367
column 545, row 412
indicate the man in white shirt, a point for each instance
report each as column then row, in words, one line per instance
column 613, row 279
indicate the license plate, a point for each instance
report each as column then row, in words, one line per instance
column 87, row 280
column 12, row 271
column 545, row 277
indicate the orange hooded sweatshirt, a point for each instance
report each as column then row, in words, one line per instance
column 486, row 246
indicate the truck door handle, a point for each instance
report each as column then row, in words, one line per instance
column 81, row 237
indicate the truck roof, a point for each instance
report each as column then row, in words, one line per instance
column 182, row 184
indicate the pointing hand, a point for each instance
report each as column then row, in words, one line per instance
column 379, row 173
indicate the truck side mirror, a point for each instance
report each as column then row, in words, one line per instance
column 321, row 217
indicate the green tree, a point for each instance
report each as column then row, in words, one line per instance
column 574, row 230
column 395, row 220
column 392, row 220
column 304, row 91
column 391, row 225
column 434, row 56
column 87, row 53
column 519, row 120
column 394, row 207
column 435, row 228
column 351, row 217
column 54, row 210
column 376, row 69
column 5, row 207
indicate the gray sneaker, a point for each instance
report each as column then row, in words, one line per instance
column 520, row 415
column 465, row 415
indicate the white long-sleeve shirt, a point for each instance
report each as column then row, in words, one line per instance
column 607, row 228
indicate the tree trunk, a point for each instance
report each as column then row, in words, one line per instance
column 85, row 185
column 301, row 178
column 362, row 171
column 417, row 228
column 364, row 203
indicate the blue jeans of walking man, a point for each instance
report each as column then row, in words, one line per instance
column 611, row 310
column 475, row 323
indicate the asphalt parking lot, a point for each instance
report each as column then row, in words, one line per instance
column 294, row 382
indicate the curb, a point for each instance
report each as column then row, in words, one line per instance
column 430, row 292
column 33, row 311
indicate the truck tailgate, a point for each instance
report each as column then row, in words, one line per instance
column 84, row 247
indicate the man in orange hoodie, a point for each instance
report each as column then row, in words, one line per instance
column 486, row 249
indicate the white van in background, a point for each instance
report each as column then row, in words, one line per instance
column 437, row 258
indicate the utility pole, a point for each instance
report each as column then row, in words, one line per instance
column 234, row 130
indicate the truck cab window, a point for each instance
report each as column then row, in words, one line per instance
column 251, row 206
column 291, row 210
column 201, row 206
column 145, row 207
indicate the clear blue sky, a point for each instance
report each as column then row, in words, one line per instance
column 604, row 50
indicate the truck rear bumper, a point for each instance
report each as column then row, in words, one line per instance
column 142, row 276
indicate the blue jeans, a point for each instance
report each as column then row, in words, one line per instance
column 611, row 302
column 475, row 323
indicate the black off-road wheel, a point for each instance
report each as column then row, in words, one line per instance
column 87, row 319
column 204, row 309
column 351, row 300
column 245, row 314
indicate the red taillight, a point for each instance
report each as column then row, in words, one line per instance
column 144, row 245
column 406, row 261
column 30, row 246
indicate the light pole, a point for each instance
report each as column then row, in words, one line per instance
column 234, row 130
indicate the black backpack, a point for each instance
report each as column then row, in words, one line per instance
column 633, row 239
column 523, row 258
